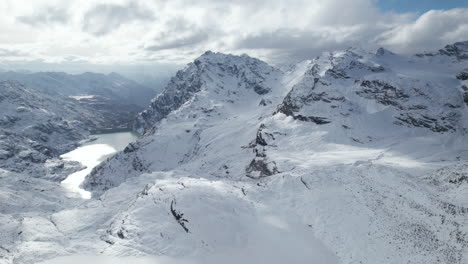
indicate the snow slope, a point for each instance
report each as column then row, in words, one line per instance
column 353, row 157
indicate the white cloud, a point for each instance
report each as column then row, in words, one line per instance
column 177, row 31
column 46, row 16
column 11, row 53
column 104, row 18
column 431, row 30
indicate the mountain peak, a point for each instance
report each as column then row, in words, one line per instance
column 218, row 57
column 224, row 78
column 208, row 52
column 458, row 50
column 382, row 52
column 115, row 75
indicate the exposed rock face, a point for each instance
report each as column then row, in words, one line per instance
column 444, row 124
column 292, row 104
column 383, row 52
column 382, row 92
column 208, row 70
column 180, row 89
column 97, row 179
column 325, row 93
column 458, row 50
column 261, row 166
column 463, row 76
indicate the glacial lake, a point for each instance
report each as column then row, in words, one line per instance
column 91, row 154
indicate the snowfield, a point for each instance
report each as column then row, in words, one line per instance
column 353, row 157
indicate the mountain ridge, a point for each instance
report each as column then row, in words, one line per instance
column 113, row 85
column 350, row 112
column 353, row 157
column 36, row 128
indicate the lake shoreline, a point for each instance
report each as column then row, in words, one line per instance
column 90, row 154
column 101, row 131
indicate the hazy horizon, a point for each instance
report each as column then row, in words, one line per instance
column 154, row 38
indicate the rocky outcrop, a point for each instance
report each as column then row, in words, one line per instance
column 382, row 92
column 415, row 115
column 179, row 217
column 439, row 124
column 179, row 90
column 261, row 165
column 457, row 51
column 293, row 102
column 463, row 76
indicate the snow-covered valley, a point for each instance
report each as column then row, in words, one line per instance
column 353, row 157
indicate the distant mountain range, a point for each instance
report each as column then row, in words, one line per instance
column 112, row 86
column 35, row 128
column 45, row 114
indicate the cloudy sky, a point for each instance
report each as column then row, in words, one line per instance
column 95, row 34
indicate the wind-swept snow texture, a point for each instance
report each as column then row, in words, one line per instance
column 353, row 157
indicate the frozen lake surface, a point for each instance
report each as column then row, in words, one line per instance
column 91, row 154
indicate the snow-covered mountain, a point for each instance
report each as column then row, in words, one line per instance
column 113, row 96
column 112, row 86
column 456, row 52
column 227, row 76
column 36, row 128
column 353, row 157
column 353, row 83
